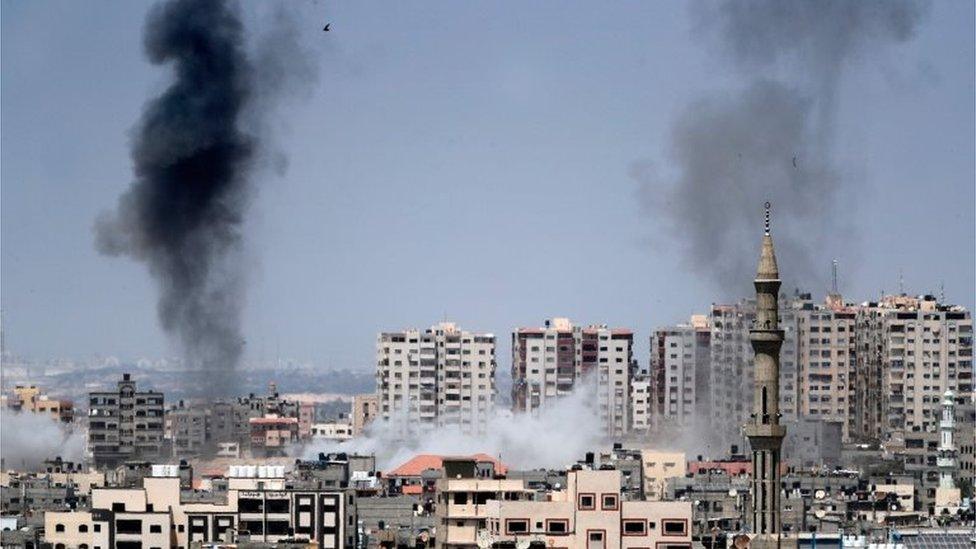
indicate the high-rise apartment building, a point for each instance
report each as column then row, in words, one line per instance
column 641, row 402
column 125, row 424
column 910, row 351
column 826, row 351
column 679, row 373
column 440, row 376
column 553, row 360
column 731, row 374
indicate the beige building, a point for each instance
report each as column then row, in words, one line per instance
column 441, row 376
column 550, row 361
column 590, row 514
column 909, row 352
column 826, row 353
column 260, row 509
column 463, row 510
column 28, row 398
column 332, row 431
column 365, row 408
column 658, row 467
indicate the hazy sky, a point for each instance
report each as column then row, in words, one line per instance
column 466, row 161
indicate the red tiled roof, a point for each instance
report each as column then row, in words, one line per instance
column 412, row 489
column 422, row 462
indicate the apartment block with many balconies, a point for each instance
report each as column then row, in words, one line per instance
column 553, row 360
column 439, row 376
column 125, row 424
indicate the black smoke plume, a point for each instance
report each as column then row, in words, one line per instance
column 771, row 138
column 195, row 151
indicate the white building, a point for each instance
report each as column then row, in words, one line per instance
column 551, row 361
column 441, row 376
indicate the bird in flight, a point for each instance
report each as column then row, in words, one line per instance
column 326, row 28
column 794, row 161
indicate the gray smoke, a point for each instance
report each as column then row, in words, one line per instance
column 732, row 152
column 195, row 152
column 27, row 439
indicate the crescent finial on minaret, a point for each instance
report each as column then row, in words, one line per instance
column 766, row 226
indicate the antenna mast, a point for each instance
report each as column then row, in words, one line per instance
column 833, row 269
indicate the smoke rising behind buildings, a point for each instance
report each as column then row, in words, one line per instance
column 771, row 138
column 196, row 152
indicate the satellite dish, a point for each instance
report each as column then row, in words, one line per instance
column 733, row 492
column 523, row 543
column 819, row 494
column 484, row 539
column 820, row 513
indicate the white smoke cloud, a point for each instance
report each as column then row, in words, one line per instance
column 555, row 436
column 27, row 439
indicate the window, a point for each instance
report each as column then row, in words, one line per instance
column 674, row 527
column 557, row 526
column 635, row 528
column 516, row 526
column 250, row 505
column 97, row 527
column 117, row 506
column 155, row 529
column 594, row 539
column 59, row 528
column 461, row 498
column 609, row 502
column 277, row 505
column 587, row 502
column 128, row 526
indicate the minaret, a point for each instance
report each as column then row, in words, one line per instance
column 764, row 431
column 947, row 449
column 948, row 498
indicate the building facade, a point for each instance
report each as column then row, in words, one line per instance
column 910, row 351
column 554, row 360
column 365, row 408
column 441, row 376
column 679, row 373
column 125, row 424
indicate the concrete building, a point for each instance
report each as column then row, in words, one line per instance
column 590, row 513
column 826, row 350
column 909, row 352
column 253, row 509
column 679, row 373
column 271, row 435
column 187, row 428
column 462, row 502
column 441, row 376
column 659, row 468
column 731, row 373
column 365, row 408
column 551, row 361
column 332, row 432
column 641, row 415
column 28, row 397
column 125, row 424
